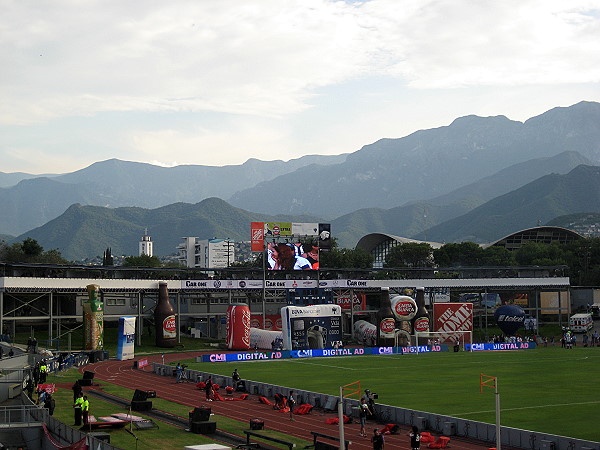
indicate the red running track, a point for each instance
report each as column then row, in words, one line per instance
column 123, row 374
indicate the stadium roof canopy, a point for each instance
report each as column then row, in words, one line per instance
column 379, row 244
column 541, row 235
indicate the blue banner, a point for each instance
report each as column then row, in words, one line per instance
column 501, row 347
column 320, row 352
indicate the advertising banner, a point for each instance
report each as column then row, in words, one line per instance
column 93, row 319
column 325, row 237
column 305, row 229
column 257, row 236
column 501, row 347
column 126, row 338
column 320, row 353
column 358, row 303
column 275, row 229
column 449, row 317
column 311, row 327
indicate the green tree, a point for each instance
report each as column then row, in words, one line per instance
column 345, row 258
column 458, row 255
column 31, row 248
column 410, row 254
column 538, row 254
column 497, row 256
column 30, row 251
column 142, row 261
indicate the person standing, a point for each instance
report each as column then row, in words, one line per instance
column 415, row 438
column 291, row 403
column 377, row 440
column 77, row 390
column 363, row 412
column 208, row 387
column 50, row 404
column 370, row 401
column 77, row 409
column 238, row 383
column 43, row 372
column 85, row 410
column 178, row 373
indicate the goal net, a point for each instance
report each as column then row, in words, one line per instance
column 449, row 338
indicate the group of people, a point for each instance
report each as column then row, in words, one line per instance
column 378, row 439
column 283, row 256
column 81, row 405
column 32, row 345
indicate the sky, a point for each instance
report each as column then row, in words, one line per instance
column 216, row 82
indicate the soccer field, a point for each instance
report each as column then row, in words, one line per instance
column 551, row 390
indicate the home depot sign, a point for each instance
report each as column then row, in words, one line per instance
column 450, row 317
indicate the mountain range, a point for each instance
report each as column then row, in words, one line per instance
column 477, row 179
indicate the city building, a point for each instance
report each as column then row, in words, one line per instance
column 206, row 253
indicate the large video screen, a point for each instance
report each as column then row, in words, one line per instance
column 292, row 256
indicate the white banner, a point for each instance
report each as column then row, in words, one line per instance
column 428, row 283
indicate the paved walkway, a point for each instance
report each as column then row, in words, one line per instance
column 123, row 374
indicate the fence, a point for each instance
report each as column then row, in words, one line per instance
column 447, row 425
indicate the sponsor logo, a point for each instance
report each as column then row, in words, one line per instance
column 257, row 234
column 218, row 358
column 387, row 326
column 242, row 284
column 506, row 318
column 404, row 308
column 385, row 350
column 305, row 353
column 354, row 283
column 169, row 324
column 422, row 324
column 217, row 284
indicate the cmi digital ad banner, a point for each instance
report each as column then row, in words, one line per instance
column 126, row 338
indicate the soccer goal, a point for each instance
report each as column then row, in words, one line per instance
column 449, row 338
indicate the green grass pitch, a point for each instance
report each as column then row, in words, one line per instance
column 551, row 389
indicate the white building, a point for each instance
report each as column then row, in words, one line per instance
column 145, row 245
column 206, row 253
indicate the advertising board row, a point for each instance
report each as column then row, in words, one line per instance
column 432, row 284
column 316, row 353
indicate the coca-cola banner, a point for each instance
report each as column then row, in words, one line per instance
column 306, row 327
column 449, row 317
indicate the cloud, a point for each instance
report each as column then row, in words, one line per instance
column 216, row 146
column 267, row 58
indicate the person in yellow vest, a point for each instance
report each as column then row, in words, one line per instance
column 85, row 409
column 77, row 409
column 43, row 372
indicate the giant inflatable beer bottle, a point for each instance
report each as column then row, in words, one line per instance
column 421, row 319
column 164, row 319
column 386, row 322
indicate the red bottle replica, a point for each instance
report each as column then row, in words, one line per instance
column 386, row 323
